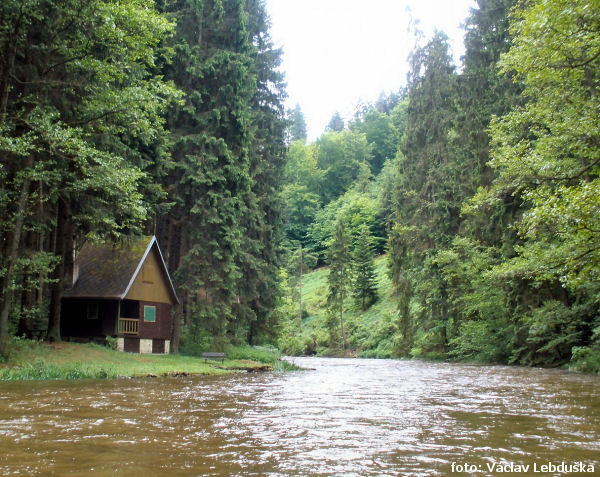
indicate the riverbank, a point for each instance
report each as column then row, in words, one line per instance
column 375, row 332
column 29, row 359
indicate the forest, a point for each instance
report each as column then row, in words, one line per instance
column 466, row 205
column 121, row 118
column 479, row 185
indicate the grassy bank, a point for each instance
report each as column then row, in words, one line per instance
column 369, row 332
column 29, row 359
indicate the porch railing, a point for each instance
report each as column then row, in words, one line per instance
column 128, row 326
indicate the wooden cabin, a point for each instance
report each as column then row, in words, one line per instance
column 121, row 291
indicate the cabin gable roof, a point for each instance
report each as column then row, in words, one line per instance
column 109, row 271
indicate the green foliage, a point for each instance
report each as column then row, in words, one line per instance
column 81, row 120
column 381, row 135
column 301, row 208
column 297, row 125
column 368, row 332
column 340, row 155
column 195, row 340
column 486, row 191
column 261, row 354
column 301, row 167
column 381, row 341
column 224, row 230
column 355, row 209
column 111, row 342
column 41, row 370
column 552, row 331
column 291, row 342
column 364, row 286
column 546, row 151
column 587, row 358
column 479, row 342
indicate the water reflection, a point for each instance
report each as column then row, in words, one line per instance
column 345, row 417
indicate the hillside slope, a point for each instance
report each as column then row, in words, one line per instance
column 369, row 333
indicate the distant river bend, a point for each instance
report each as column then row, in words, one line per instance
column 346, row 417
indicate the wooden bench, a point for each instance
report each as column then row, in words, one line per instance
column 38, row 333
column 214, row 356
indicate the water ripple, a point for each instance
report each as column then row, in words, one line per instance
column 346, row 417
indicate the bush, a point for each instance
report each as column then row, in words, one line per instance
column 194, row 344
column 262, row 354
column 586, row 359
column 292, row 345
column 42, row 370
column 111, row 342
column 478, row 342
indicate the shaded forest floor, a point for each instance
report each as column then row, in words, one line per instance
column 39, row 360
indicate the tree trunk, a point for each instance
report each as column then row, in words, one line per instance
column 14, row 242
column 344, row 344
column 300, row 290
column 41, row 243
column 25, row 327
column 63, row 240
column 176, row 328
column 174, row 261
column 251, row 333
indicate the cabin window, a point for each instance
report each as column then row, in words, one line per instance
column 148, row 273
column 92, row 310
column 150, row 313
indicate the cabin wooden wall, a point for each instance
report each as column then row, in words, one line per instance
column 160, row 329
column 151, row 283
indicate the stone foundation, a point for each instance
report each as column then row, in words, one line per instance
column 145, row 346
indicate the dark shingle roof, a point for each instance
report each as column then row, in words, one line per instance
column 107, row 271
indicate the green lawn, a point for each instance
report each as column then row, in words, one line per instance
column 29, row 359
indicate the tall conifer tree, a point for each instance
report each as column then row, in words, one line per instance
column 428, row 204
column 364, row 288
column 297, row 125
column 222, row 235
column 260, row 257
column 338, row 280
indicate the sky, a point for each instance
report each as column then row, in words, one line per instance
column 337, row 53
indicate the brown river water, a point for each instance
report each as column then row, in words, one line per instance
column 346, row 417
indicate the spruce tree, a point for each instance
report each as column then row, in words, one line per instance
column 338, row 281
column 364, row 288
column 222, row 236
column 260, row 257
column 297, row 125
column 336, row 123
column 210, row 183
column 428, row 200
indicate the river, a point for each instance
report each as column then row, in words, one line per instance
column 346, row 417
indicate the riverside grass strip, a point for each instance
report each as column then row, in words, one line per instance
column 30, row 359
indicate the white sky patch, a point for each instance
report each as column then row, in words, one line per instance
column 339, row 52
